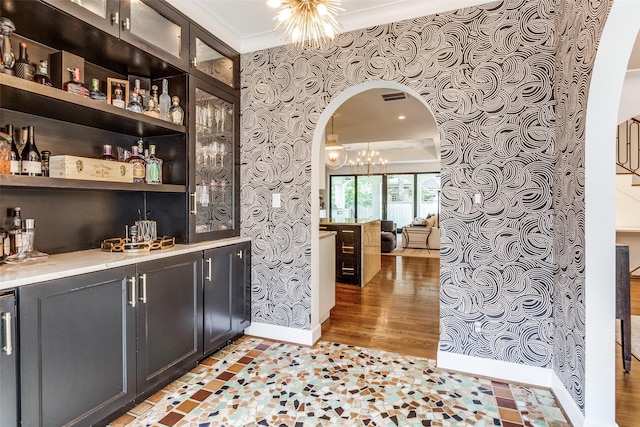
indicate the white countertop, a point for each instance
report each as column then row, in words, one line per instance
column 74, row 263
column 327, row 233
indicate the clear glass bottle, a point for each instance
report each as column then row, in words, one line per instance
column 154, row 167
column 165, row 100
column 31, row 161
column 106, row 153
column 15, row 166
column 134, row 103
column 45, row 156
column 95, row 93
column 42, row 76
column 141, row 149
column 16, row 237
column 176, row 113
column 23, row 68
column 27, row 253
column 7, row 27
column 138, row 165
column 76, row 86
column 118, row 97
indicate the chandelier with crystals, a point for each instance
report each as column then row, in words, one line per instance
column 313, row 21
column 368, row 162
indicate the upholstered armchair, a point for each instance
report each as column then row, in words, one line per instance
column 388, row 236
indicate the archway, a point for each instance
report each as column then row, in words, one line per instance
column 603, row 104
column 317, row 159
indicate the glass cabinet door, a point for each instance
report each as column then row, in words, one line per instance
column 157, row 27
column 214, row 171
column 210, row 58
column 103, row 14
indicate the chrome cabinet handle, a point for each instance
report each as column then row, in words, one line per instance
column 194, row 61
column 132, row 282
column 240, row 254
column 194, row 210
column 143, row 296
column 8, row 333
column 209, row 263
column 115, row 18
column 126, row 24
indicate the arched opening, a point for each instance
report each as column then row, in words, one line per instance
column 603, row 106
column 317, row 174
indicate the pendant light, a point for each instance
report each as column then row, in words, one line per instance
column 335, row 155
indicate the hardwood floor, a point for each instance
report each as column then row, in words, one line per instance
column 399, row 311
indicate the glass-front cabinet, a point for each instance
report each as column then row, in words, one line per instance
column 103, row 14
column 211, row 58
column 214, row 174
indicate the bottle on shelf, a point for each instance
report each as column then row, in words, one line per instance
column 165, row 100
column 151, row 109
column 95, row 93
column 45, row 156
column 135, row 102
column 138, row 165
column 106, row 153
column 5, row 244
column 154, row 167
column 23, row 68
column 31, row 161
column 118, row 97
column 176, row 113
column 7, row 27
column 141, row 149
column 76, row 86
column 15, row 167
column 27, row 252
column 16, row 237
column 42, row 76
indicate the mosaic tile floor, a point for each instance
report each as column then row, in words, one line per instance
column 255, row 382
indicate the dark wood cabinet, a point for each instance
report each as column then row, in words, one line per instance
column 169, row 319
column 227, row 294
column 8, row 362
column 77, row 348
column 211, row 60
column 348, row 252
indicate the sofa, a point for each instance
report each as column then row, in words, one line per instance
column 422, row 233
column 388, row 236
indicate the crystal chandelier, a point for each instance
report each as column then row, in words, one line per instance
column 307, row 20
column 368, row 162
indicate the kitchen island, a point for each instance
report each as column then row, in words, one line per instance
column 357, row 249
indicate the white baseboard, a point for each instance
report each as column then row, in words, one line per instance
column 285, row 334
column 514, row 372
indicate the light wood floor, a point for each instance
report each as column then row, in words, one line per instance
column 399, row 311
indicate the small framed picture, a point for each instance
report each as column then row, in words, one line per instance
column 117, row 92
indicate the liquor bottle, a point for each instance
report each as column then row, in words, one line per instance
column 31, row 161
column 42, row 76
column 23, row 68
column 95, row 93
column 138, row 165
column 134, row 103
column 165, row 100
column 16, row 237
column 15, row 167
column 141, row 148
column 5, row 244
column 152, row 106
column 45, row 156
column 154, row 167
column 118, row 97
column 106, row 153
column 176, row 113
column 76, row 86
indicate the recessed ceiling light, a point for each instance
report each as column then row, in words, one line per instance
column 402, row 117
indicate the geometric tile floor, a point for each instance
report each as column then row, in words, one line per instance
column 256, row 382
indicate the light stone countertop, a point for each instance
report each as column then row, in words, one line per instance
column 327, row 233
column 81, row 262
column 348, row 222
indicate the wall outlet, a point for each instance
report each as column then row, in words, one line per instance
column 275, row 200
column 477, row 327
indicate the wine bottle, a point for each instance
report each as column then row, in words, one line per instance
column 16, row 167
column 31, row 162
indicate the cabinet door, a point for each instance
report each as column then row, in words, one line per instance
column 157, row 28
column 211, row 58
column 103, row 14
column 169, row 318
column 77, row 348
column 8, row 372
column 214, row 174
column 241, row 294
column 218, row 276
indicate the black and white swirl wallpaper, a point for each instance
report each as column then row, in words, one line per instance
column 488, row 74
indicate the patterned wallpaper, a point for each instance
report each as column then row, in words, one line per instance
column 579, row 25
column 487, row 74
